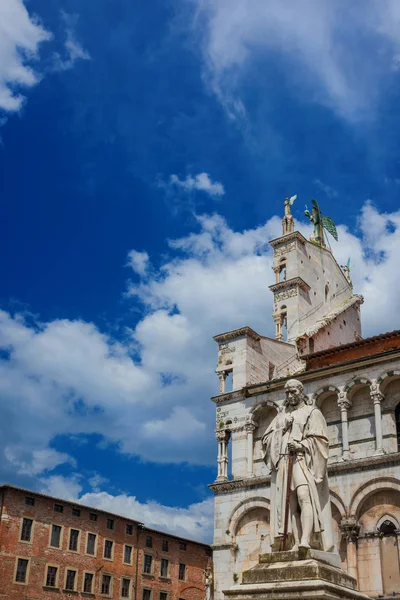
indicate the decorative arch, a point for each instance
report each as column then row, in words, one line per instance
column 358, row 381
column 387, row 374
column 244, row 507
column 338, row 502
column 368, row 489
column 383, row 381
column 263, row 404
column 323, row 390
column 388, row 517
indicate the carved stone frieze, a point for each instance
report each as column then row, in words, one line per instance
column 278, row 297
column 238, row 484
column 284, row 248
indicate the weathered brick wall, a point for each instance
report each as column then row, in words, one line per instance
column 40, row 554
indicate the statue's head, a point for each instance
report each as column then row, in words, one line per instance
column 294, row 393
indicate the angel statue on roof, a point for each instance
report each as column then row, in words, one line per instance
column 320, row 223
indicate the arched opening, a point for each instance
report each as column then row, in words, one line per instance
column 378, row 551
column 283, row 313
column 389, row 551
column 397, row 420
column 327, row 402
column 282, row 269
column 326, row 292
column 252, row 538
column 361, row 417
column 263, row 417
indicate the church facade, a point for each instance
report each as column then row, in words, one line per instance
column 356, row 384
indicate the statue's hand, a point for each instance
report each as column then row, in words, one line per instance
column 294, row 447
column 288, row 422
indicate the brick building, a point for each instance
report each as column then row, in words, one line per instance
column 54, row 548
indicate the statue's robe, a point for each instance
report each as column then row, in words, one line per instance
column 310, row 467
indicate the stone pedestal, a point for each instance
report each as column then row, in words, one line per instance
column 300, row 575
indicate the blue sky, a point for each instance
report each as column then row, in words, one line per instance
column 146, row 149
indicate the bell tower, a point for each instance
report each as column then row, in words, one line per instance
column 314, row 304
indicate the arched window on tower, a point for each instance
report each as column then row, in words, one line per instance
column 282, row 269
column 326, row 292
column 388, row 531
column 284, row 317
column 397, row 417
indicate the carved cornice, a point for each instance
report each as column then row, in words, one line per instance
column 295, row 235
column 364, row 464
column 235, row 333
column 239, row 484
column 289, row 283
column 236, row 395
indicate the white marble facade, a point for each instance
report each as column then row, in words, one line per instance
column 360, row 400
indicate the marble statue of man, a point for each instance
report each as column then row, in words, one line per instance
column 299, row 428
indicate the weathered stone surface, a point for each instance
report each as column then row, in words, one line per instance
column 331, row 558
column 301, row 577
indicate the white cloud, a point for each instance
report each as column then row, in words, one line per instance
column 336, row 53
column 67, row 378
column 138, row 262
column 193, row 522
column 36, row 462
column 58, row 486
column 201, row 182
column 73, row 49
column 20, row 38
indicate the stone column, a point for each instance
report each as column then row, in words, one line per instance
column 250, row 426
column 377, row 398
column 277, row 272
column 223, row 437
column 344, row 405
column 222, row 375
column 278, row 326
column 350, row 531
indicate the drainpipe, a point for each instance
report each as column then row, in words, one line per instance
column 139, row 528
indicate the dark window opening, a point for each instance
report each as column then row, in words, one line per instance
column 182, row 571
column 51, row 578
column 58, row 508
column 149, row 541
column 70, row 580
column 110, row 523
column 92, row 516
column 22, row 569
column 76, row 512
column 91, row 544
column 129, row 529
column 29, row 501
column 73, row 540
column 88, row 583
column 397, row 417
column 125, row 587
column 164, row 567
column 108, row 549
column 147, row 565
column 106, row 584
column 55, row 536
column 128, row 554
column 26, row 530
column 388, row 528
column 165, row 545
